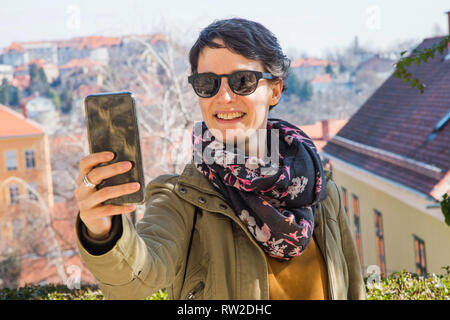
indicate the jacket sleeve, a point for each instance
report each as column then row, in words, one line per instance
column 148, row 258
column 356, row 286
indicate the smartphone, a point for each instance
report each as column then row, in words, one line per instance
column 112, row 126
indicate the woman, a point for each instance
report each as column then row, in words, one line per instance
column 226, row 229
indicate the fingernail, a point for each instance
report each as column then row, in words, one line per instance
column 135, row 186
column 126, row 165
column 110, row 155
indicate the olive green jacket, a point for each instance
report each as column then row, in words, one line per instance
column 225, row 262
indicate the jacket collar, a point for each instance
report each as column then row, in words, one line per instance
column 193, row 178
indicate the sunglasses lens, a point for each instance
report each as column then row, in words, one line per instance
column 243, row 82
column 205, row 85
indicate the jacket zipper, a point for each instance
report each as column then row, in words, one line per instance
column 193, row 292
column 330, row 284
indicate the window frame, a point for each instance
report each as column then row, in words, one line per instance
column 420, row 256
column 12, row 195
column 26, row 158
column 16, row 160
column 357, row 226
column 379, row 241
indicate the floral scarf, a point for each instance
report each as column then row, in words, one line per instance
column 274, row 202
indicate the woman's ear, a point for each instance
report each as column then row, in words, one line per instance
column 277, row 88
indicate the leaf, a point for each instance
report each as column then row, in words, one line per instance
column 445, row 208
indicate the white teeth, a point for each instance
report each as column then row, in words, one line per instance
column 228, row 116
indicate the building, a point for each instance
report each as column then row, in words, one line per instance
column 322, row 131
column 25, row 174
column 21, row 53
column 51, row 70
column 306, row 69
column 391, row 162
column 79, row 72
column 6, row 72
column 92, row 47
column 41, row 110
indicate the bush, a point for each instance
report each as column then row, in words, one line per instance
column 409, row 286
column 62, row 292
column 399, row 286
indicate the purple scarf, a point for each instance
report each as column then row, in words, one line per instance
column 274, row 202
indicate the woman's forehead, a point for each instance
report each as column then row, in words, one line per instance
column 223, row 61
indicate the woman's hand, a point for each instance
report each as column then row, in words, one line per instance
column 95, row 216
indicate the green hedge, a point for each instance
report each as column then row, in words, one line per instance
column 399, row 286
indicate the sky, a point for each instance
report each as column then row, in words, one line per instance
column 310, row 27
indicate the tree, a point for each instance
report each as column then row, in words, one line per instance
column 418, row 56
column 329, row 70
column 16, row 96
column 5, row 97
column 38, row 81
column 55, row 98
column 66, row 101
column 301, row 89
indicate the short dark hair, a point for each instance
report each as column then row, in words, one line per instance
column 247, row 38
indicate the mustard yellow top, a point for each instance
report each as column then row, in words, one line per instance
column 301, row 278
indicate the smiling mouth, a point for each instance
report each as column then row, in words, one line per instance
column 229, row 116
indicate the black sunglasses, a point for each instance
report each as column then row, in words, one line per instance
column 243, row 83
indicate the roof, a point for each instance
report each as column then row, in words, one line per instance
column 14, row 124
column 78, row 63
column 21, row 81
column 322, row 78
column 14, row 46
column 311, row 62
column 315, row 131
column 376, row 64
column 390, row 135
column 40, row 63
column 92, row 42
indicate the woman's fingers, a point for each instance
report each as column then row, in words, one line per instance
column 92, row 160
column 99, row 174
column 107, row 193
column 107, row 211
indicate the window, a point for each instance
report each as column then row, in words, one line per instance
column 357, row 223
column 14, row 193
column 11, row 160
column 344, row 199
column 16, row 228
column 30, row 161
column 380, row 243
column 419, row 250
column 32, row 190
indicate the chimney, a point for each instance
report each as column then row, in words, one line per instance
column 448, row 15
column 24, row 109
column 325, row 130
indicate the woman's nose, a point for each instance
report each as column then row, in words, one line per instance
column 225, row 92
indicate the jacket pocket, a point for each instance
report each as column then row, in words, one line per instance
column 196, row 292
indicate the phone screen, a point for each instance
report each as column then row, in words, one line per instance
column 112, row 126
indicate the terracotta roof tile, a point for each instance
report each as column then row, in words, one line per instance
column 14, row 124
column 311, row 62
column 78, row 63
column 14, row 47
column 21, row 81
